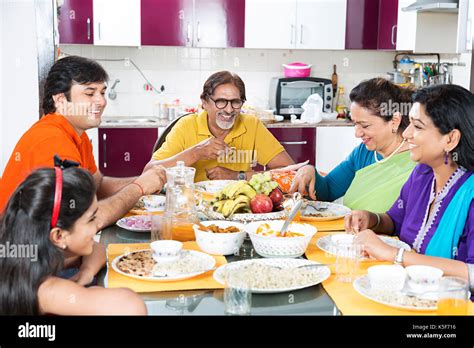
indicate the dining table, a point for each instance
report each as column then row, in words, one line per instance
column 190, row 297
column 308, row 301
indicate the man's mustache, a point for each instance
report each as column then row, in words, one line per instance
column 225, row 113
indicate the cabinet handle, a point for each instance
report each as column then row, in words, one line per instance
column 104, row 149
column 393, row 35
column 88, row 28
column 198, row 31
column 188, row 32
column 292, row 34
column 301, row 35
column 293, row 142
column 99, row 32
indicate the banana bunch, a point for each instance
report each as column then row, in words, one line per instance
column 234, row 198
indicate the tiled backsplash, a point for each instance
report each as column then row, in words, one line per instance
column 183, row 71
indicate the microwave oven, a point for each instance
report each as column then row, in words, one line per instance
column 288, row 94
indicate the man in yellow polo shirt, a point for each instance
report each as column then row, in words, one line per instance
column 220, row 142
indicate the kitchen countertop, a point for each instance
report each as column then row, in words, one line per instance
column 152, row 122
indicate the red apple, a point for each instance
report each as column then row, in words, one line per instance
column 261, row 204
column 276, row 196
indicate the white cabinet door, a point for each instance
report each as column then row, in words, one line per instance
column 117, row 22
column 465, row 18
column 333, row 145
column 321, row 24
column 406, row 27
column 270, row 23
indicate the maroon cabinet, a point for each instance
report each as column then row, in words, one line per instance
column 124, row 152
column 371, row 24
column 76, row 22
column 219, row 23
column 166, row 22
column 197, row 23
column 300, row 143
column 388, row 16
column 362, row 24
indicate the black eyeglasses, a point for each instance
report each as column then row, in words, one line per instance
column 222, row 103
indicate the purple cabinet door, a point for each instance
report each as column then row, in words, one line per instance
column 388, row 16
column 362, row 24
column 300, row 143
column 124, row 152
column 219, row 23
column 166, row 22
column 76, row 22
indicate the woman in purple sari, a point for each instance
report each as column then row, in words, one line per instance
column 434, row 213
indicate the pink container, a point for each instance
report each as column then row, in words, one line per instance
column 297, row 70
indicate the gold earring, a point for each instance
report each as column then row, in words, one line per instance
column 394, row 130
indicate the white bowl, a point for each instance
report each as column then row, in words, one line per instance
column 387, row 277
column 166, row 250
column 273, row 246
column 220, row 243
column 154, row 202
column 424, row 278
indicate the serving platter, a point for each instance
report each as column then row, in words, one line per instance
column 270, row 271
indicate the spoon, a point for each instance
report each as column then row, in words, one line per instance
column 296, row 207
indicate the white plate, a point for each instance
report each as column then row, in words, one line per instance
column 136, row 223
column 332, row 210
column 207, row 259
column 323, row 272
column 212, row 186
column 326, row 243
column 396, row 300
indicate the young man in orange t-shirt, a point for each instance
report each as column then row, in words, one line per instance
column 74, row 102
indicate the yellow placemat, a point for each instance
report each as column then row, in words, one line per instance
column 116, row 280
column 349, row 301
column 332, row 225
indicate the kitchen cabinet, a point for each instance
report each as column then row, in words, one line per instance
column 466, row 15
column 387, row 26
column 124, row 152
column 333, row 145
column 117, row 23
column 362, row 24
column 371, row 24
column 300, row 24
column 300, row 143
column 76, row 22
column 406, row 27
column 193, row 23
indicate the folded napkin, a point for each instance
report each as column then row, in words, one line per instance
column 117, row 280
column 347, row 299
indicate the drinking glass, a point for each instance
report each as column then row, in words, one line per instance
column 348, row 255
column 453, row 296
column 237, row 293
column 159, row 228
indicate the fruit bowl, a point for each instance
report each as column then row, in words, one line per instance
column 273, row 246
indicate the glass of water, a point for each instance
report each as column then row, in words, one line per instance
column 237, row 292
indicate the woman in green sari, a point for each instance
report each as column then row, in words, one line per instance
column 371, row 177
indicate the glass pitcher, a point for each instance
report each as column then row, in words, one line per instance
column 181, row 212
